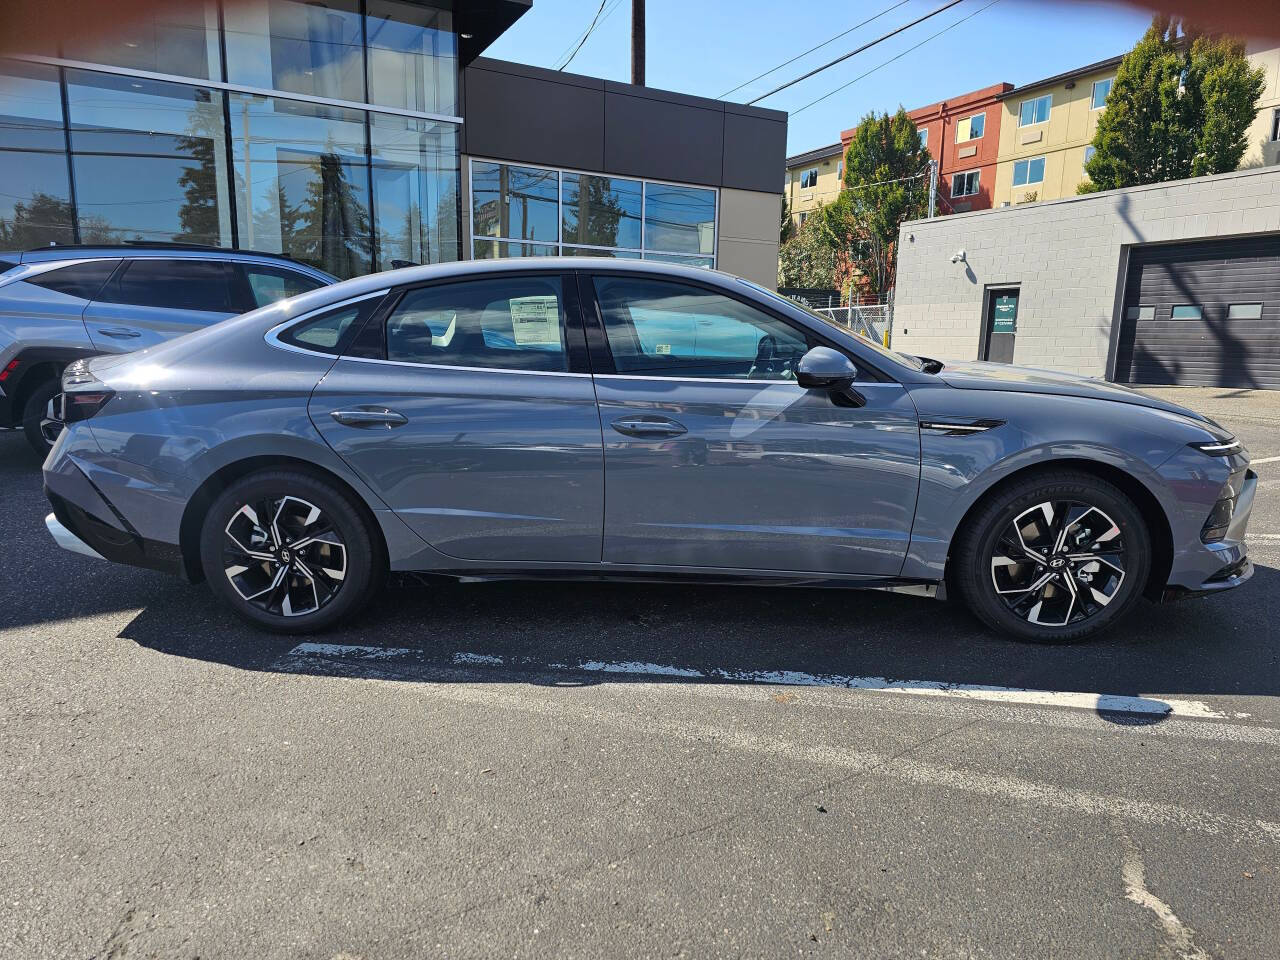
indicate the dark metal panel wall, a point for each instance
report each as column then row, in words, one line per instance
column 1215, row 350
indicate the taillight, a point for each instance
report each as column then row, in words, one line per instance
column 8, row 370
column 82, row 406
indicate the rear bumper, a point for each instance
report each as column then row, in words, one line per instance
column 68, row 540
column 76, row 529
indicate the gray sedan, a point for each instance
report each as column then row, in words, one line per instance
column 585, row 418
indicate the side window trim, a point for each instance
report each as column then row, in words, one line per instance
column 272, row 336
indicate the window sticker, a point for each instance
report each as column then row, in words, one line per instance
column 535, row 320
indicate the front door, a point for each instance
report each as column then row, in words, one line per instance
column 715, row 457
column 1002, row 325
column 468, row 408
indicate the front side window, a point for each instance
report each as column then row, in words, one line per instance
column 965, row 184
column 508, row 323
column 173, row 285
column 1028, row 171
column 971, row 128
column 660, row 328
column 1101, row 88
column 1035, row 111
column 269, row 284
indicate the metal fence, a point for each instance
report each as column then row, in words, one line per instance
column 871, row 320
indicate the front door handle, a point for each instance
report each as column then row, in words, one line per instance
column 369, row 417
column 120, row 333
column 649, row 427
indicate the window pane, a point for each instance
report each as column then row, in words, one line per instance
column 501, row 249
column 413, row 57
column 924, row 137
column 302, row 183
column 674, row 258
column 679, row 219
column 269, row 284
column 656, row 327
column 1019, row 173
column 512, row 323
column 173, row 285
column 177, row 38
column 1141, row 313
column 596, row 252
column 518, row 203
column 35, row 192
column 82, row 280
column 976, row 125
column 331, row 332
column 1244, row 311
column 313, row 47
column 149, row 159
column 1100, row 91
column 1186, row 313
column 602, row 211
column 415, row 189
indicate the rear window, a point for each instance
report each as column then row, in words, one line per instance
column 82, row 280
column 174, row 285
column 269, row 284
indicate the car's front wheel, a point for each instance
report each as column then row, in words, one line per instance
column 289, row 551
column 1054, row 557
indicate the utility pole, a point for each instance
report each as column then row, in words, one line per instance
column 637, row 42
column 933, row 188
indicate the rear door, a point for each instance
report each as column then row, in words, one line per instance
column 153, row 299
column 716, row 457
column 469, row 408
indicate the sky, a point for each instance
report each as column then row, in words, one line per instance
column 707, row 47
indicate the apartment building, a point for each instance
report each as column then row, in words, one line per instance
column 813, row 179
column 1264, row 135
column 1046, row 133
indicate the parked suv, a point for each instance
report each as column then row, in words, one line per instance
column 58, row 304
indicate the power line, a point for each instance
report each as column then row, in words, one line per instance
column 594, row 21
column 852, row 53
column 798, row 56
column 897, row 56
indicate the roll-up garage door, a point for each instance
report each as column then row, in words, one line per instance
column 1203, row 314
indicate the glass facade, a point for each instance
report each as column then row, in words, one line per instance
column 535, row 211
column 277, row 155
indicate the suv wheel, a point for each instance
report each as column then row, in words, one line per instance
column 34, row 415
column 289, row 551
column 1056, row 557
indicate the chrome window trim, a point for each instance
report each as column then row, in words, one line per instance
column 739, row 380
column 272, row 336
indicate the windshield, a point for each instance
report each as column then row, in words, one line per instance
column 892, row 355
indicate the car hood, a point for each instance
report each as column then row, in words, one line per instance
column 1000, row 376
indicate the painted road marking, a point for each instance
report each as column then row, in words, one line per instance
column 1096, row 702
column 1263, row 460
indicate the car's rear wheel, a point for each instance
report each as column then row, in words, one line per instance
column 289, row 551
column 1053, row 558
column 34, row 416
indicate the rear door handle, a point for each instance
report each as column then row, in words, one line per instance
column 649, row 427
column 120, row 333
column 369, row 417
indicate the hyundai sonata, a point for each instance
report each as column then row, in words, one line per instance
column 587, row 418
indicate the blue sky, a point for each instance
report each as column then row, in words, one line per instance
column 706, row 47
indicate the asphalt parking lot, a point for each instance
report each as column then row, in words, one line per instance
column 569, row 770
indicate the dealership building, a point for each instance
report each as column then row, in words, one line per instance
column 360, row 134
column 1171, row 283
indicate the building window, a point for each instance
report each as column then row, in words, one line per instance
column 804, row 215
column 1244, row 311
column 314, row 48
column 1035, row 111
column 415, row 189
column 1187, row 312
column 1028, row 171
column 965, row 184
column 174, row 38
column 809, row 179
column 971, row 128
column 533, row 211
column 35, row 201
column 1275, row 125
column 840, row 166
column 924, row 137
column 1141, row 313
column 1089, row 151
column 1101, row 88
column 413, row 57
column 149, row 160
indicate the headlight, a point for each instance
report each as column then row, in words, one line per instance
column 1225, row 447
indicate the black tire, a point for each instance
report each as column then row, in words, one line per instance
column 296, row 559
column 1096, row 565
column 33, row 414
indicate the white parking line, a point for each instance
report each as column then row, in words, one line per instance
column 1097, row 702
column 1263, row 460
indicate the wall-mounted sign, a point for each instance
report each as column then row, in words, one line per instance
column 1005, row 318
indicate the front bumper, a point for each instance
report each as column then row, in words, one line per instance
column 1224, row 565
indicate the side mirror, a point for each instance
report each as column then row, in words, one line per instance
column 825, row 369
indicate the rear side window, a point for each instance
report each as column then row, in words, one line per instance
column 269, row 284
column 515, row 323
column 174, row 285
column 331, row 332
column 82, row 280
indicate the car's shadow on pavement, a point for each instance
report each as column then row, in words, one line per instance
column 549, row 632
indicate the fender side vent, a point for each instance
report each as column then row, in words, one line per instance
column 957, row 428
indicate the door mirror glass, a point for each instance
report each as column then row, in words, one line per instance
column 824, row 368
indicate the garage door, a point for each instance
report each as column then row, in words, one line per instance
column 1203, row 314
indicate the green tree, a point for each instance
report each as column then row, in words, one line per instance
column 786, row 228
column 1180, row 107
column 808, row 259
column 885, row 183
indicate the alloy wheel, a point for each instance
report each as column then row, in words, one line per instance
column 1058, row 563
column 284, row 556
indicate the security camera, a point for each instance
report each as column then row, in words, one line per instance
column 958, row 257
